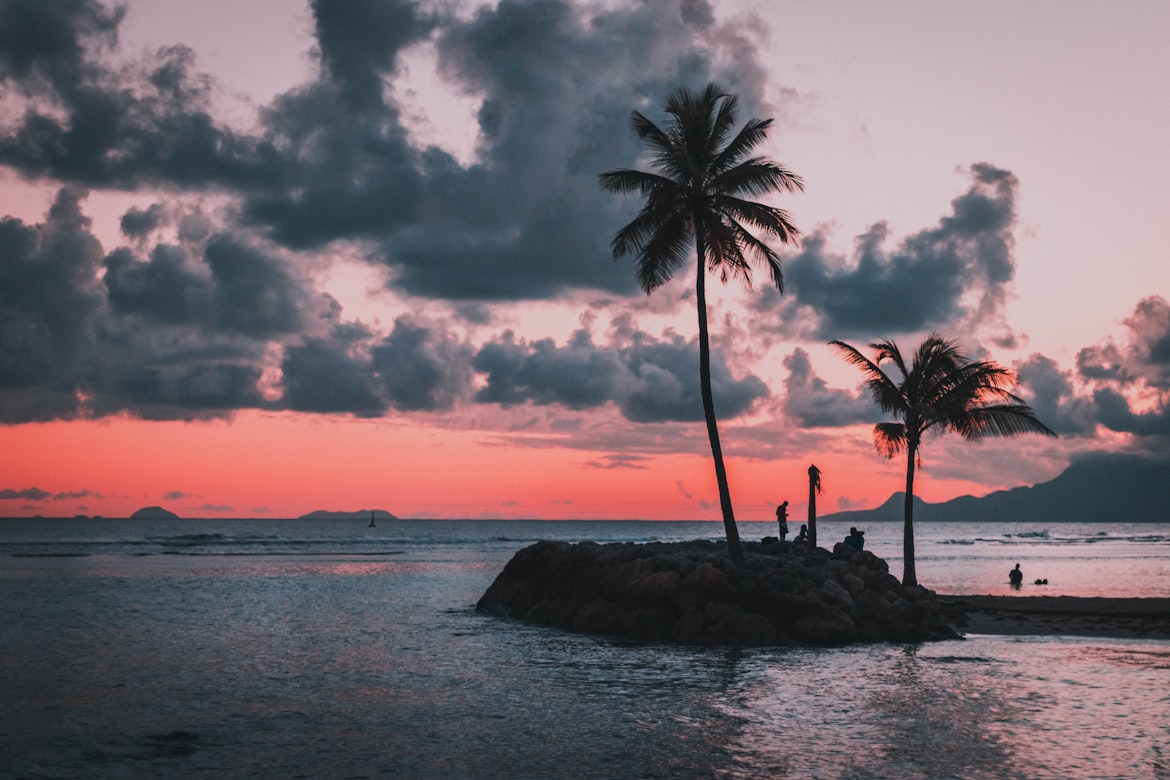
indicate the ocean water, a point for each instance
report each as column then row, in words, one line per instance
column 328, row 649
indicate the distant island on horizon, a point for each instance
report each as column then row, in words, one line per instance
column 361, row 514
column 154, row 513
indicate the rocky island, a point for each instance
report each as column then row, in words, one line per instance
column 692, row 593
column 154, row 513
column 361, row 514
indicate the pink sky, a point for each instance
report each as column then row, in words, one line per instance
column 327, row 261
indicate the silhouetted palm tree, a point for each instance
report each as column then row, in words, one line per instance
column 941, row 391
column 696, row 195
column 814, row 487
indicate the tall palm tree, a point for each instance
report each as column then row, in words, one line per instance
column 940, row 391
column 814, row 487
column 696, row 194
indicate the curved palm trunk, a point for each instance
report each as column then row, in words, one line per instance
column 909, row 576
column 734, row 549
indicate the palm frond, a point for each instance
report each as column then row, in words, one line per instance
column 771, row 220
column 890, row 438
column 666, row 251
column 1003, row 420
column 626, row 180
column 750, row 135
column 755, row 177
column 884, row 392
column 750, row 246
column 888, row 350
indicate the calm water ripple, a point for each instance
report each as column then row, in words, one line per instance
column 322, row 651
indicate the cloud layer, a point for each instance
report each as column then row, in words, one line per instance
column 210, row 303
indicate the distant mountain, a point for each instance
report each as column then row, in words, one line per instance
column 153, row 513
column 361, row 514
column 1097, row 488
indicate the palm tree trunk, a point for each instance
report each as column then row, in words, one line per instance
column 812, row 510
column 909, row 576
column 734, row 548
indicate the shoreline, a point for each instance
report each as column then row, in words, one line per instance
column 1116, row 618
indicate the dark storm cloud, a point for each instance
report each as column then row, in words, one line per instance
column 50, row 300
column 558, row 86
column 89, row 121
column 1054, row 398
column 649, row 380
column 43, row 44
column 331, row 159
column 416, row 368
column 953, row 274
column 181, row 334
column 421, row 368
column 221, row 320
column 139, row 223
column 811, row 402
column 325, row 376
column 1132, row 380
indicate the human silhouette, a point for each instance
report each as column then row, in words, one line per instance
column 782, row 519
column 802, row 537
column 1016, row 577
column 856, row 539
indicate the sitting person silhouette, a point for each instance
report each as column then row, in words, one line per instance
column 1016, row 577
column 802, row 537
column 856, row 539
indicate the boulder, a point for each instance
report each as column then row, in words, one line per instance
column 692, row 593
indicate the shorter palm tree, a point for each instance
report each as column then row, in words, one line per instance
column 940, row 391
column 814, row 487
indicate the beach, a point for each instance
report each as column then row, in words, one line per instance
column 1121, row 618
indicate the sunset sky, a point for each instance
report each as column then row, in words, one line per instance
column 260, row 257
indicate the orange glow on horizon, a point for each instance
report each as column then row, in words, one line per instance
column 278, row 466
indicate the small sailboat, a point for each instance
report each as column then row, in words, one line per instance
column 371, row 525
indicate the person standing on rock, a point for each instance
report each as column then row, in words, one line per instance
column 782, row 519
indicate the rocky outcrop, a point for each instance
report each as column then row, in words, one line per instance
column 153, row 513
column 691, row 592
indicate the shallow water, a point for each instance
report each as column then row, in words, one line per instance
column 316, row 650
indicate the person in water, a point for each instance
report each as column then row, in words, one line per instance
column 782, row 519
column 1016, row 577
column 856, row 539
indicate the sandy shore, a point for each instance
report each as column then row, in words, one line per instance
column 1062, row 616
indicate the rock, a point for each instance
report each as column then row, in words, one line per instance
column 691, row 592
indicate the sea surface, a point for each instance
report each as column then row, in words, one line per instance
column 293, row 648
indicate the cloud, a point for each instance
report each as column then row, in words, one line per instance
column 811, row 402
column 649, row 380
column 422, row 368
column 36, row 494
column 955, row 275
column 183, row 333
column 1132, row 380
column 26, row 494
column 50, row 303
column 332, row 160
column 1054, row 396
